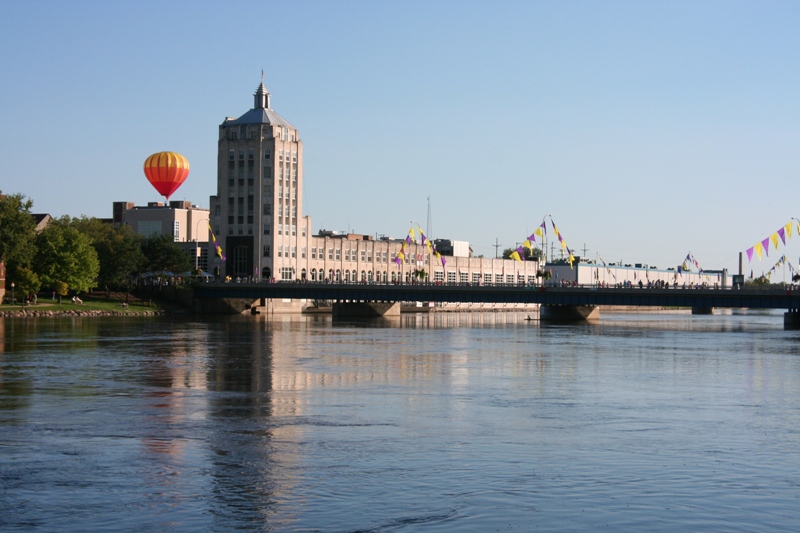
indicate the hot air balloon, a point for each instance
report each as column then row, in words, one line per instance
column 166, row 171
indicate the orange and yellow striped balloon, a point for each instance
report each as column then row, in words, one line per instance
column 166, row 171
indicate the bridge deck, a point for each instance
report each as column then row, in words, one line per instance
column 754, row 299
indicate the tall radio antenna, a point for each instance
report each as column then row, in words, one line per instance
column 429, row 227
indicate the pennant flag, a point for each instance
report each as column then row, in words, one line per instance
column 527, row 244
column 774, row 239
column 515, row 255
column 759, row 250
column 521, row 252
column 750, row 253
column 782, row 235
column 788, row 229
column 765, row 244
column 411, row 234
column 217, row 247
column 532, row 237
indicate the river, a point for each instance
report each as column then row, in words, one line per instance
column 441, row 422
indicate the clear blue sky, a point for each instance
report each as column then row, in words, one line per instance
column 646, row 129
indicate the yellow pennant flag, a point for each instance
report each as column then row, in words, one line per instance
column 411, row 233
column 563, row 244
column 759, row 250
column 788, row 229
column 540, row 234
column 774, row 238
column 571, row 259
column 515, row 255
column 527, row 244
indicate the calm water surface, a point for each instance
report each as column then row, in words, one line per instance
column 447, row 422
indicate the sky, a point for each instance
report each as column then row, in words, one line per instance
column 644, row 130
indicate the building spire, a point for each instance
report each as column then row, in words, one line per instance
column 261, row 96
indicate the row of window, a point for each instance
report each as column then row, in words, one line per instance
column 366, row 255
column 267, row 154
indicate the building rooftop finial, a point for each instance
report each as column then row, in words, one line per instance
column 261, row 96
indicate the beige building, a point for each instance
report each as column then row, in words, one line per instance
column 257, row 216
column 186, row 223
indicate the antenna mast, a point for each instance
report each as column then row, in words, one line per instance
column 430, row 224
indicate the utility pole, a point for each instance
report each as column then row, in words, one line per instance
column 584, row 249
column 429, row 227
column 496, row 246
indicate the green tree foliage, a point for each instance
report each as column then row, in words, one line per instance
column 119, row 250
column 17, row 233
column 27, row 282
column 61, row 289
column 163, row 255
column 536, row 253
column 65, row 254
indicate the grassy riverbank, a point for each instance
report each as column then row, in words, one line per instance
column 97, row 304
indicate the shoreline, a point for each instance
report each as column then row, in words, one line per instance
column 44, row 313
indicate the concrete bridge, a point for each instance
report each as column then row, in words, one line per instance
column 559, row 302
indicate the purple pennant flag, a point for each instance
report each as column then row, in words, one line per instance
column 521, row 252
column 443, row 262
column 532, row 238
column 782, row 234
column 765, row 244
column 750, row 254
column 408, row 239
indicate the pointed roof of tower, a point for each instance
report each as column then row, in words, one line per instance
column 261, row 113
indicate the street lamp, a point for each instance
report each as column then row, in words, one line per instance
column 12, row 293
column 197, row 242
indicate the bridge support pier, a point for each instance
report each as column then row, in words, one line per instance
column 568, row 313
column 702, row 310
column 791, row 319
column 365, row 309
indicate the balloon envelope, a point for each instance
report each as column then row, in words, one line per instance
column 166, row 171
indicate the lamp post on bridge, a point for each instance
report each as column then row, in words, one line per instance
column 196, row 240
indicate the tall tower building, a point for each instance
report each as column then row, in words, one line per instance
column 257, row 218
column 258, row 205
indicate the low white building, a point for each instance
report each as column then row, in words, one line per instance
column 591, row 273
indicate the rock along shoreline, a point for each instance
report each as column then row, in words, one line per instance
column 36, row 313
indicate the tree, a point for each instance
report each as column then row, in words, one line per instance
column 163, row 255
column 119, row 250
column 529, row 254
column 17, row 233
column 27, row 282
column 65, row 254
column 61, row 289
